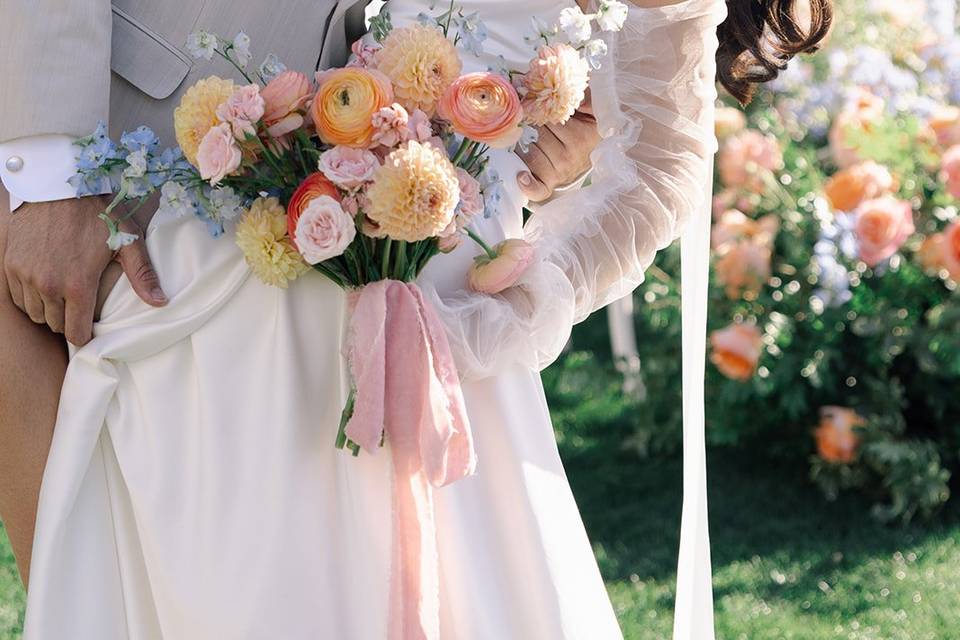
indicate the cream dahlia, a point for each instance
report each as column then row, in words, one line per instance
column 421, row 63
column 555, row 85
column 262, row 237
column 197, row 113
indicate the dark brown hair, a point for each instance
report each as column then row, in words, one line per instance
column 759, row 37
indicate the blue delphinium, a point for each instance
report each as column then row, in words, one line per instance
column 492, row 187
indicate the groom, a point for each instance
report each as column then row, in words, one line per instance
column 65, row 65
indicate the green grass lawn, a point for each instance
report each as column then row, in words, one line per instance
column 787, row 565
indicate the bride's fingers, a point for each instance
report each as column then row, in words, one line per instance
column 536, row 182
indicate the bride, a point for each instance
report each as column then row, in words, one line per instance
column 192, row 490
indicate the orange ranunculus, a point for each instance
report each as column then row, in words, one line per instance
column 314, row 185
column 483, row 107
column 345, row 103
column 735, row 350
column 849, row 187
column 837, row 439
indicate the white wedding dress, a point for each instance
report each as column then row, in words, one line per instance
column 193, row 491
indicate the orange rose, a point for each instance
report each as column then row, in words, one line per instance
column 345, row 103
column 483, row 107
column 930, row 253
column 849, row 187
column 732, row 225
column 860, row 112
column 837, row 440
column 882, row 225
column 744, row 268
column 735, row 350
column 945, row 123
column 314, row 185
column 950, row 249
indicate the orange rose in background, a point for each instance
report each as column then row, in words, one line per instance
column 733, row 225
column 313, row 186
column 744, row 268
column 847, row 188
column 746, row 158
column 930, row 253
column 345, row 103
column 285, row 97
column 837, row 439
column 860, row 112
column 728, row 121
column 945, row 123
column 882, row 225
column 950, row 249
column 483, row 107
column 950, row 170
column 736, row 349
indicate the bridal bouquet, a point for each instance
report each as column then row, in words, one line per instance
column 363, row 173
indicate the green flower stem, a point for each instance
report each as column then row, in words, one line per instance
column 225, row 54
column 483, row 245
column 326, row 271
column 345, row 416
column 400, row 268
column 466, row 147
column 387, row 244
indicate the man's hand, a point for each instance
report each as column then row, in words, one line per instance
column 561, row 155
column 55, row 255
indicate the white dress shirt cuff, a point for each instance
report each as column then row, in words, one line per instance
column 36, row 168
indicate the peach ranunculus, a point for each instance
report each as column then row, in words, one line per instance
column 242, row 111
column 555, row 85
column 218, row 155
column 494, row 274
column 861, row 111
column 836, row 436
column 348, row 168
column 950, row 170
column 421, row 63
column 285, row 98
column 847, row 188
column 881, row 226
column 746, row 158
column 945, row 123
column 729, row 121
column 950, row 249
column 744, row 268
column 324, row 230
column 313, row 186
column 483, row 107
column 735, row 350
column 345, row 103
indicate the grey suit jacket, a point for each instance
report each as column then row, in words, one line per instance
column 67, row 64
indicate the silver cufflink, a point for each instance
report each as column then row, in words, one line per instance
column 14, row 164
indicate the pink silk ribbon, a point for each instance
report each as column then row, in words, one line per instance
column 408, row 390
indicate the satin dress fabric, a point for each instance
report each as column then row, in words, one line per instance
column 193, row 490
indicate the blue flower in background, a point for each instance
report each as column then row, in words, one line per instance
column 473, row 33
column 140, row 138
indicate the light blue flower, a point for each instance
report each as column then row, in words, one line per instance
column 473, row 33
column 527, row 138
column 241, row 49
column 202, row 44
column 176, row 200
column 271, row 67
column 225, row 204
column 492, row 187
column 140, row 138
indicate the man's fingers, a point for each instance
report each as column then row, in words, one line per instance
column 587, row 105
column 33, row 305
column 53, row 311
column 143, row 278
column 78, row 319
column 16, row 290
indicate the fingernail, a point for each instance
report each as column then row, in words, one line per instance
column 525, row 179
column 157, row 294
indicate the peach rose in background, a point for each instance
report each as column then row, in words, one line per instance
column 860, row 112
column 735, row 350
column 242, row 111
column 728, row 122
column 733, row 225
column 950, row 170
column 348, row 168
column 881, row 226
column 836, row 436
column 285, row 97
column 313, row 186
column 345, row 103
column 744, row 268
column 847, row 188
column 950, row 249
column 324, row 230
column 930, row 254
column 493, row 275
column 483, row 107
column 218, row 155
column 746, row 158
column 555, row 85
column 945, row 124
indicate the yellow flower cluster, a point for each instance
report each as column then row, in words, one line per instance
column 262, row 237
column 197, row 113
column 414, row 193
column 421, row 63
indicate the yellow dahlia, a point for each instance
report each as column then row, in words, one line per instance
column 414, row 193
column 555, row 85
column 262, row 237
column 197, row 113
column 421, row 63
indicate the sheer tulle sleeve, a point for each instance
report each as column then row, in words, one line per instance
column 653, row 100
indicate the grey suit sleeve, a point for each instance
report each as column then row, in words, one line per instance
column 55, row 66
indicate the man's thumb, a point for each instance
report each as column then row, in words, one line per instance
column 139, row 269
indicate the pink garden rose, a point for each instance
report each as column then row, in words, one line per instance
column 735, row 350
column 218, row 155
column 242, row 111
column 420, row 128
column 390, row 125
column 471, row 198
column 950, row 170
column 285, row 97
column 348, row 168
column 746, row 158
column 324, row 230
column 493, row 275
column 363, row 54
column 744, row 268
column 882, row 225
